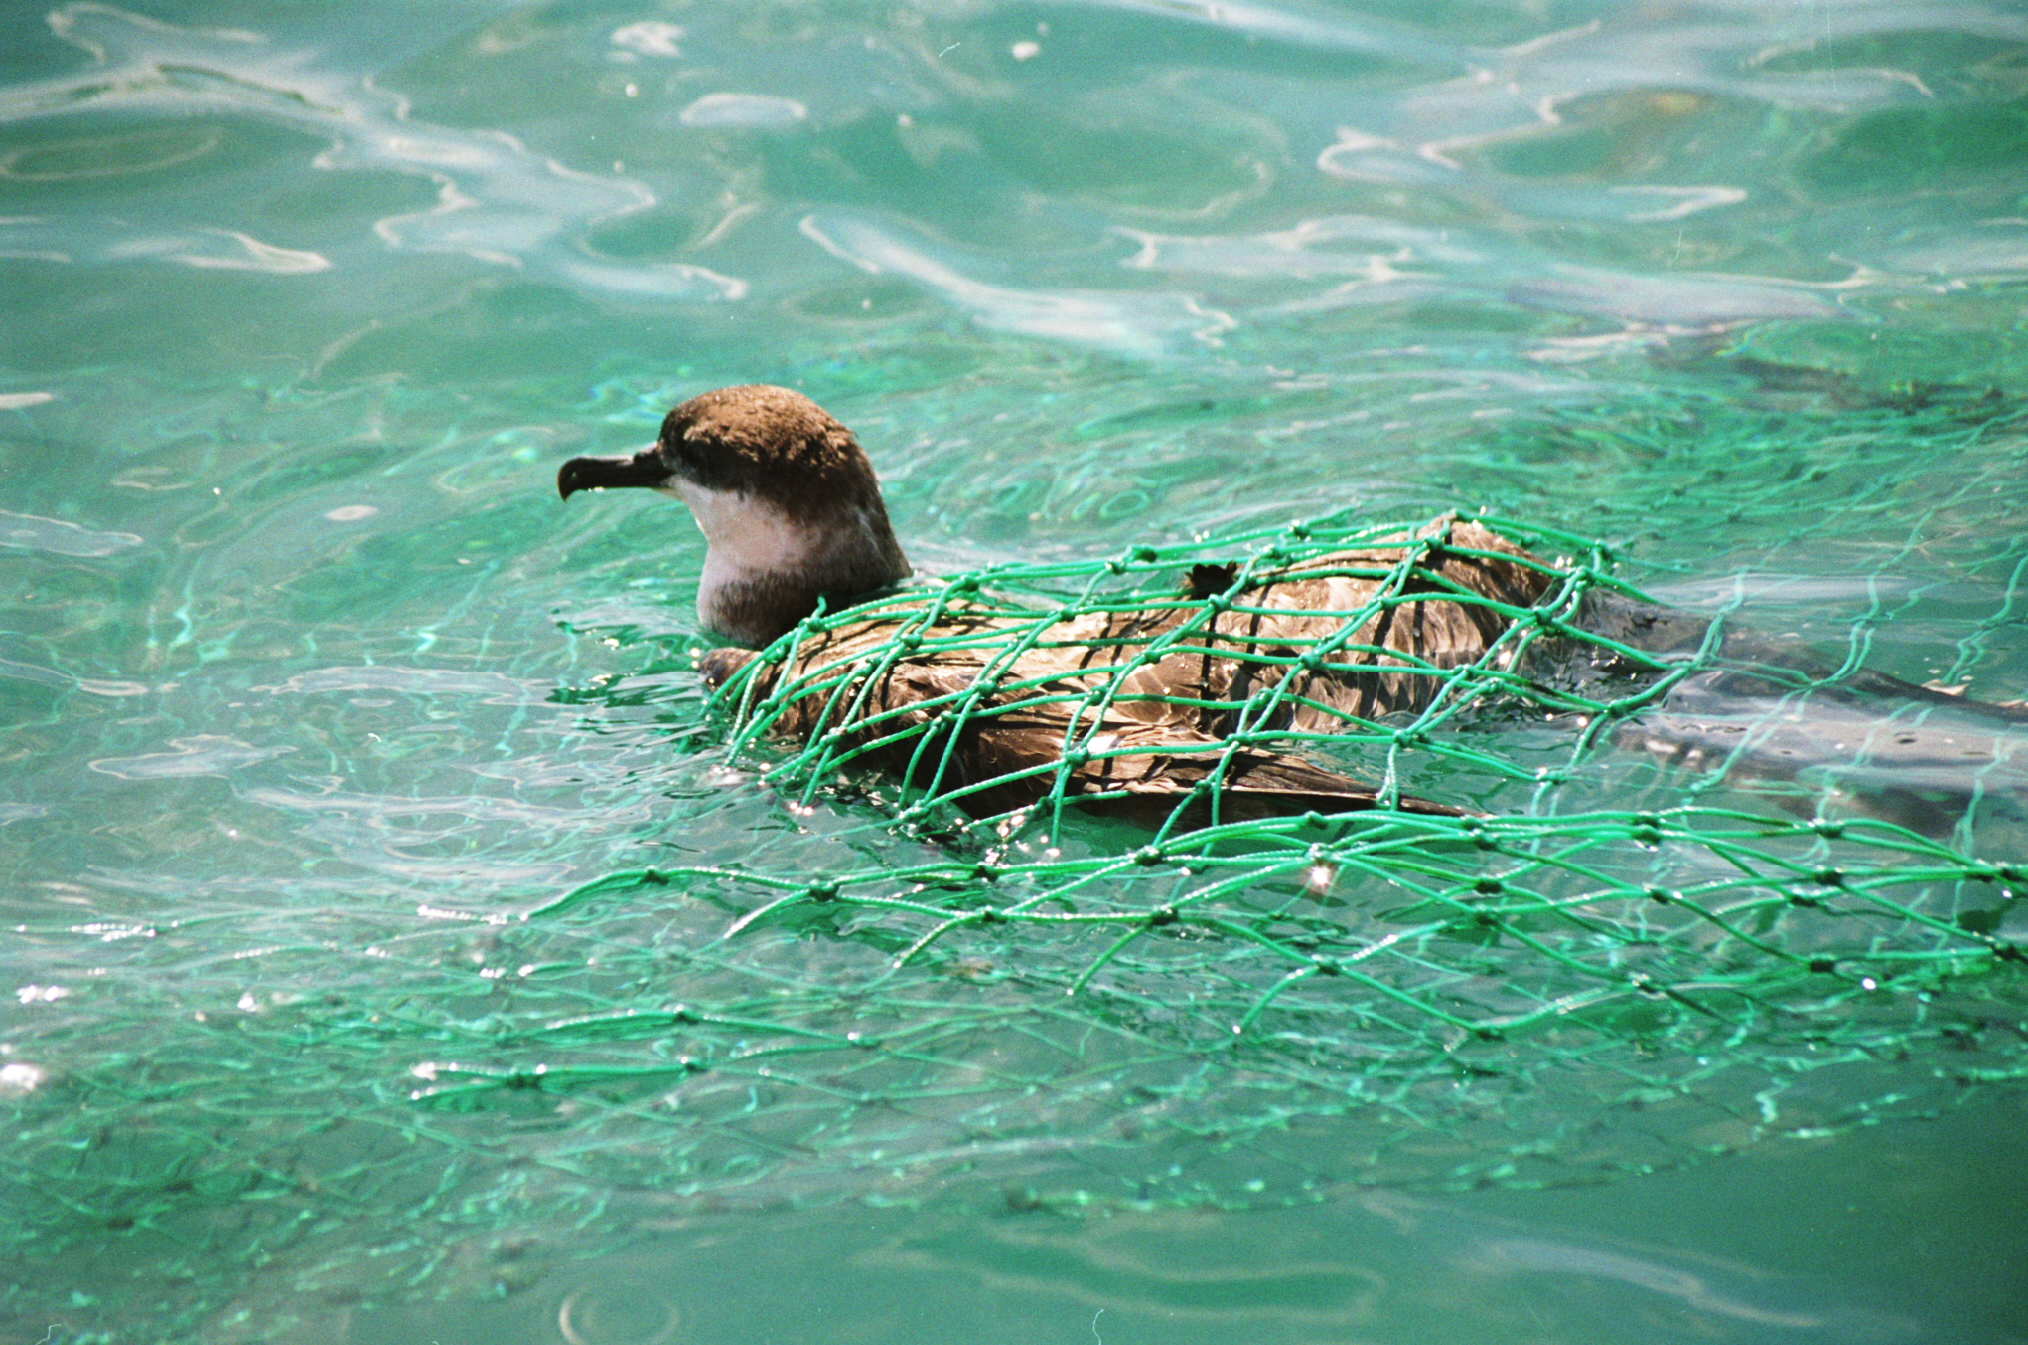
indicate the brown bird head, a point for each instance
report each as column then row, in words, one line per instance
column 788, row 503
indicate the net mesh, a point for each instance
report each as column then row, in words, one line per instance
column 1515, row 992
column 1692, row 892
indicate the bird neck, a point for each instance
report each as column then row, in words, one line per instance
column 765, row 570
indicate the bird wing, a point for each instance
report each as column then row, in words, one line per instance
column 1089, row 708
column 1358, row 635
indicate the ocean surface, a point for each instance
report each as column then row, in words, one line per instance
column 314, row 700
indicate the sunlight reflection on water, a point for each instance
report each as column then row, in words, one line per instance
column 312, row 693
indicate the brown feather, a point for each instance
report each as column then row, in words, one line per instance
column 1143, row 725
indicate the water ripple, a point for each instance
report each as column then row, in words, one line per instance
column 60, row 537
column 497, row 201
column 199, row 755
column 1271, row 23
column 1121, row 322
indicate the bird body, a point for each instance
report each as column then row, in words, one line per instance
column 1186, row 706
column 1166, row 703
column 1147, row 706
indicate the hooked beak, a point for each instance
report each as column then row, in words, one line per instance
column 643, row 469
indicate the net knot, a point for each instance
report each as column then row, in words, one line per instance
column 1162, row 915
column 1140, row 555
column 821, row 892
column 1150, row 855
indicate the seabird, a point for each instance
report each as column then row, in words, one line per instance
column 1136, row 708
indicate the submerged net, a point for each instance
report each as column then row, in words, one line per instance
column 1690, row 896
column 1790, row 921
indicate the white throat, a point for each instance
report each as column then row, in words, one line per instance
column 765, row 570
column 746, row 538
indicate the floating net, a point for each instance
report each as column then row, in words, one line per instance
column 1674, row 895
column 1786, row 926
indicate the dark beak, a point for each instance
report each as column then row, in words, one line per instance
column 643, row 469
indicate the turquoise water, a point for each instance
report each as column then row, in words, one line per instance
column 313, row 691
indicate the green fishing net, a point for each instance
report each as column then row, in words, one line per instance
column 1536, row 989
column 1694, row 893
column 1069, row 1007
